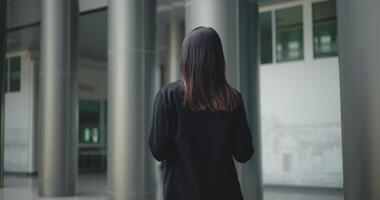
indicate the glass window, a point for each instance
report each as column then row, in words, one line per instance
column 95, row 135
column 105, row 124
column 325, row 29
column 5, row 75
column 86, row 135
column 289, row 34
column 89, row 121
column 266, row 37
column 14, row 74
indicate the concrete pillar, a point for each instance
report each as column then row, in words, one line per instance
column 131, row 34
column 236, row 21
column 58, row 99
column 176, row 35
column 359, row 61
column 3, row 32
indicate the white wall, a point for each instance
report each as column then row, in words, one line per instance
column 92, row 80
column 301, row 129
column 20, row 138
column 300, row 116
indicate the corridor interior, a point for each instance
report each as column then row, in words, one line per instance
column 299, row 164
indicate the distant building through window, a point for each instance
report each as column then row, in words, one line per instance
column 5, row 75
column 89, row 121
column 325, row 29
column 289, row 34
column 282, row 32
column 12, row 75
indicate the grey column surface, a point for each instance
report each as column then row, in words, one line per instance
column 359, row 62
column 131, row 35
column 58, row 99
column 176, row 34
column 236, row 21
column 3, row 27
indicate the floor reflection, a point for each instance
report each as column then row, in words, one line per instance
column 94, row 187
column 22, row 187
column 301, row 193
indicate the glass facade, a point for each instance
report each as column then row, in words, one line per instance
column 12, row 77
column 266, row 37
column 288, row 27
column 5, row 75
column 289, row 34
column 92, row 136
column 89, row 121
column 325, row 29
column 15, row 74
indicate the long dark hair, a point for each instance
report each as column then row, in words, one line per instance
column 203, row 72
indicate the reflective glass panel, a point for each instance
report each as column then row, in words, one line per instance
column 15, row 74
column 289, row 34
column 266, row 37
column 325, row 29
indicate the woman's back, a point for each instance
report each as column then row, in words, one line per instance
column 198, row 148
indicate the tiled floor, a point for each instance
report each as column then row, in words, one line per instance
column 20, row 187
column 300, row 193
column 93, row 187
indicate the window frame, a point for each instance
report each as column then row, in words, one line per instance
column 7, row 73
column 307, row 21
column 271, row 25
column 102, row 129
column 81, row 141
column 312, row 31
column 303, row 33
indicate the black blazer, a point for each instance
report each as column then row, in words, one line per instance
column 198, row 147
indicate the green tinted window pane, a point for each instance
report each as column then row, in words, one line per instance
column 289, row 34
column 89, row 105
column 266, row 37
column 325, row 29
column 5, row 75
column 15, row 74
column 86, row 135
column 95, row 135
column 89, row 121
column 105, row 136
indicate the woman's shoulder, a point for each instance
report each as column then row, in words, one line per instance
column 171, row 87
column 171, row 92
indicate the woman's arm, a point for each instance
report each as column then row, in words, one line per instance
column 242, row 143
column 159, row 133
